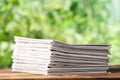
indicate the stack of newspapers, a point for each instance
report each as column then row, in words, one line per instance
column 49, row 57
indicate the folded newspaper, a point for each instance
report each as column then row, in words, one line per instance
column 49, row 57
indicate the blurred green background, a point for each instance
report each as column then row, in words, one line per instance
column 71, row 21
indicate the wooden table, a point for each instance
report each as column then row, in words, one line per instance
column 9, row 75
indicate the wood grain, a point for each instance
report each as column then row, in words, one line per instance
column 9, row 75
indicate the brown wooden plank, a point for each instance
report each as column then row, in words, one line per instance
column 114, row 69
column 8, row 74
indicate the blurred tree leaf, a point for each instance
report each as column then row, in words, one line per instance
column 71, row 21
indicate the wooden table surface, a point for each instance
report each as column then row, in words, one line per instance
column 9, row 75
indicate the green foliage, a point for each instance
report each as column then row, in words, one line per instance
column 71, row 21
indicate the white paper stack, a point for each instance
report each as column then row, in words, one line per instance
column 51, row 57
